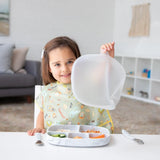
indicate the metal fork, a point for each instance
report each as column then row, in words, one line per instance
column 129, row 136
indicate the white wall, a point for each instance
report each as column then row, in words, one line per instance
column 34, row 22
column 142, row 46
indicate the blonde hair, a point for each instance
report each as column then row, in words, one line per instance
column 58, row 42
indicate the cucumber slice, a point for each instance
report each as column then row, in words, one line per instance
column 55, row 135
column 62, row 135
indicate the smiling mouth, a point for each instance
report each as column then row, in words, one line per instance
column 66, row 75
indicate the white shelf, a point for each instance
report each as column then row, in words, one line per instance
column 140, row 99
column 156, row 70
column 143, row 78
column 156, row 80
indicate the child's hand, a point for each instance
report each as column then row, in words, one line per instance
column 36, row 130
column 108, row 47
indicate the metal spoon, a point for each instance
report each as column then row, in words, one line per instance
column 38, row 139
column 126, row 134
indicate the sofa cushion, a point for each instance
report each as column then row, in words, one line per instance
column 5, row 58
column 16, row 80
column 18, row 58
column 22, row 71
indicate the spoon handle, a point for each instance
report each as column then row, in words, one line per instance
column 126, row 134
column 38, row 136
column 129, row 136
column 38, row 139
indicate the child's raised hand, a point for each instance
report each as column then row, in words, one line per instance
column 108, row 47
column 36, row 130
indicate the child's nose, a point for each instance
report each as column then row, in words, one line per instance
column 64, row 68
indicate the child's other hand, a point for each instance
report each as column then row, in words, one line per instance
column 108, row 47
column 36, row 130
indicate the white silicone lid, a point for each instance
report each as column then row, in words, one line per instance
column 97, row 80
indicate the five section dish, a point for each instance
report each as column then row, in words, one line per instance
column 78, row 135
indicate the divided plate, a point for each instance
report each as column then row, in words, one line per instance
column 77, row 135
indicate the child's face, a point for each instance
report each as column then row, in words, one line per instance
column 60, row 63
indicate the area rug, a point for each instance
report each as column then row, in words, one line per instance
column 16, row 115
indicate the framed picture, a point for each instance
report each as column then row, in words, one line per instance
column 4, row 17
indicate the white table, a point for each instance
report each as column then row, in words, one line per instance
column 20, row 146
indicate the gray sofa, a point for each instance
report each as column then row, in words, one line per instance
column 18, row 84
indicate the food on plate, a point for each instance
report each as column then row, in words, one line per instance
column 77, row 137
column 100, row 136
column 59, row 135
column 62, row 135
column 63, row 130
column 90, row 131
column 55, row 135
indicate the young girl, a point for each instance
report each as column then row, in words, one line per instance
column 56, row 102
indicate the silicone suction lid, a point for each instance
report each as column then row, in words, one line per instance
column 97, row 80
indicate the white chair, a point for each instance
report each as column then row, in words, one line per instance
column 38, row 89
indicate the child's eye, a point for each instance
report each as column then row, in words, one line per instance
column 57, row 65
column 70, row 62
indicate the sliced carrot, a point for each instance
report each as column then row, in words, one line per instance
column 77, row 137
column 100, row 136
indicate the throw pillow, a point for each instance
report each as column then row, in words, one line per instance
column 18, row 58
column 22, row 71
column 5, row 57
